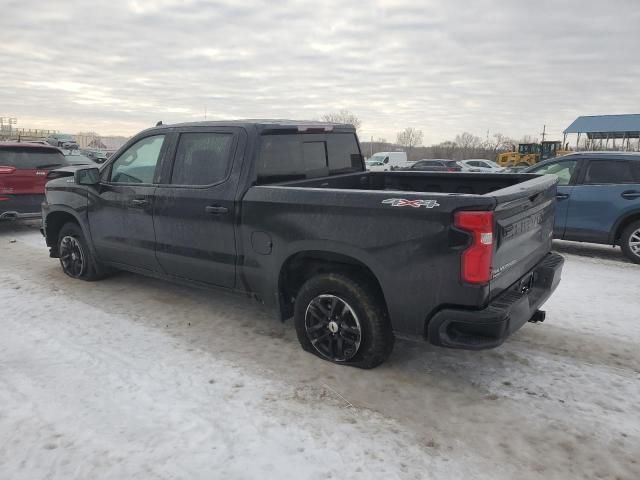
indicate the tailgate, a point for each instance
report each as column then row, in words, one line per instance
column 524, row 217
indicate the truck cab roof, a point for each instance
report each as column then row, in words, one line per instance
column 266, row 125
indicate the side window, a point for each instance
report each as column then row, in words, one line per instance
column 602, row 172
column 563, row 170
column 280, row 159
column 344, row 153
column 202, row 158
column 138, row 163
column 386, row 160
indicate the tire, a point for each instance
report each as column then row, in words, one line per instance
column 359, row 336
column 76, row 258
column 630, row 241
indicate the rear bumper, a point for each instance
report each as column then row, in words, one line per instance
column 488, row 328
column 20, row 206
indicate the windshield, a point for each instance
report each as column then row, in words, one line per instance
column 65, row 137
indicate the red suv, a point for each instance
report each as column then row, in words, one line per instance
column 23, row 174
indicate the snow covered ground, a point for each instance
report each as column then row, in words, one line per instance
column 138, row 378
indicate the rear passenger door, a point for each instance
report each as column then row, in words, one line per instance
column 194, row 212
column 607, row 189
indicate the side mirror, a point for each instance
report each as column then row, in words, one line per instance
column 87, row 176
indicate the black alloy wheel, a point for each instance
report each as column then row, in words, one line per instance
column 333, row 327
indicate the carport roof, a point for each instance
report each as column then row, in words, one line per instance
column 607, row 126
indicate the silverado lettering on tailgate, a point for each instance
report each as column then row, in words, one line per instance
column 522, row 226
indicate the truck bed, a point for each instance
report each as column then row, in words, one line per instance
column 423, row 182
column 369, row 216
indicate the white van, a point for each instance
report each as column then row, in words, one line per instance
column 386, row 161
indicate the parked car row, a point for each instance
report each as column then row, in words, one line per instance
column 388, row 161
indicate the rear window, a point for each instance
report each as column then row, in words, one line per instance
column 31, row 158
column 299, row 156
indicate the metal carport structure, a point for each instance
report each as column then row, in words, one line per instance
column 603, row 128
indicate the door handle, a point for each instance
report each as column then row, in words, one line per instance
column 215, row 209
column 139, row 202
column 562, row 196
column 630, row 194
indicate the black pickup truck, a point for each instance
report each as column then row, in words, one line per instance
column 286, row 213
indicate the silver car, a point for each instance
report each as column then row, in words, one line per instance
column 481, row 165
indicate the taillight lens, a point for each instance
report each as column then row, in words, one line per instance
column 7, row 170
column 476, row 259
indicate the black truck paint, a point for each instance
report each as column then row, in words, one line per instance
column 266, row 229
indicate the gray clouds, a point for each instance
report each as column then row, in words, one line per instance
column 444, row 67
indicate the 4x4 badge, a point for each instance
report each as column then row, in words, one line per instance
column 403, row 202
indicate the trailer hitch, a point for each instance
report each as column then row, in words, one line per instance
column 538, row 317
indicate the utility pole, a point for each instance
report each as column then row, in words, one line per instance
column 371, row 149
column 544, row 132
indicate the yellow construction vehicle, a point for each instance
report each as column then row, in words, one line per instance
column 530, row 153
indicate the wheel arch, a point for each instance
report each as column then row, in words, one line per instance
column 53, row 223
column 302, row 265
column 621, row 224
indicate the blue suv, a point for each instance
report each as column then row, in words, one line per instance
column 598, row 198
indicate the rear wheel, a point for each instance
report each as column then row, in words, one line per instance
column 340, row 318
column 75, row 257
column 630, row 242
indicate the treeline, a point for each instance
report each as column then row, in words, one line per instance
column 410, row 140
column 463, row 147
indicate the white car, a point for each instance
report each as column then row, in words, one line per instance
column 481, row 165
column 386, row 161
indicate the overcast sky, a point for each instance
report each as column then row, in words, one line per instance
column 117, row 67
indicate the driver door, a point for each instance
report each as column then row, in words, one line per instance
column 121, row 211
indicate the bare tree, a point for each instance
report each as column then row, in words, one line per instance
column 409, row 138
column 468, row 145
column 499, row 143
column 444, row 150
column 343, row 116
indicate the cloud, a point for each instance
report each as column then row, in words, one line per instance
column 444, row 67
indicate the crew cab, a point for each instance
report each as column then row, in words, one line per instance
column 285, row 212
column 23, row 174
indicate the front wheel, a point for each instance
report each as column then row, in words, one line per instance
column 341, row 319
column 75, row 257
column 630, row 242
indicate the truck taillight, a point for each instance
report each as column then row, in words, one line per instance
column 6, row 170
column 476, row 259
